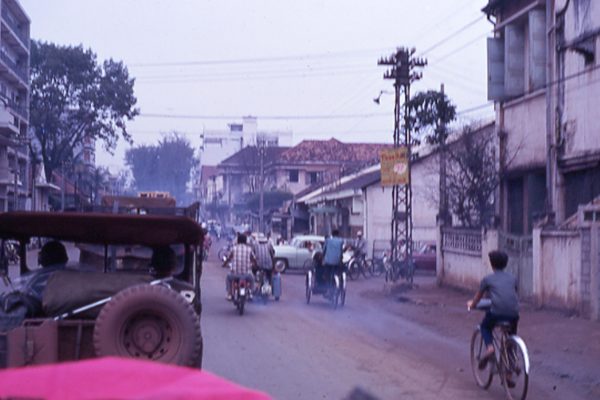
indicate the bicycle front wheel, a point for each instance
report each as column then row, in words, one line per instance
column 515, row 369
column 484, row 376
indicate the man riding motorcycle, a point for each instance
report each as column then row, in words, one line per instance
column 242, row 261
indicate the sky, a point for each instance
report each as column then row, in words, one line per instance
column 307, row 66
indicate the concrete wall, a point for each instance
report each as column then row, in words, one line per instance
column 425, row 203
column 525, row 125
column 581, row 93
column 378, row 214
column 557, row 268
column 464, row 261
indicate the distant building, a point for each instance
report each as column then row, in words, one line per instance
column 217, row 145
column 14, row 105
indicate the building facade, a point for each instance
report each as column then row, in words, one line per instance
column 14, row 105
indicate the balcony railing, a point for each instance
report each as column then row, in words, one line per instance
column 14, row 67
column 14, row 25
column 19, row 109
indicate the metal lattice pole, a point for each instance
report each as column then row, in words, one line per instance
column 402, row 72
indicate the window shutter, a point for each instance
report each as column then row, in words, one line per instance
column 537, row 49
column 495, row 54
column 514, row 60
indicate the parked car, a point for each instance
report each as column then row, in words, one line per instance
column 107, row 302
column 297, row 254
column 425, row 257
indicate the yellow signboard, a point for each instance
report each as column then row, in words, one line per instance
column 394, row 166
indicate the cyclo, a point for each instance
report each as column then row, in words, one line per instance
column 334, row 283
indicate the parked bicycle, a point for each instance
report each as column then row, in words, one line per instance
column 395, row 270
column 510, row 361
column 376, row 266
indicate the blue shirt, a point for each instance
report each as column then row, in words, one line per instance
column 333, row 251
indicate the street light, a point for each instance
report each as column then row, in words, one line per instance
column 377, row 99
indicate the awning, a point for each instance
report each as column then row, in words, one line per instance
column 324, row 210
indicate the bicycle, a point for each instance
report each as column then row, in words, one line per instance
column 395, row 270
column 510, row 360
column 357, row 266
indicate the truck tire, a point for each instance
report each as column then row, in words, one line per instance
column 149, row 322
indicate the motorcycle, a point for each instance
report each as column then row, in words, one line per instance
column 239, row 293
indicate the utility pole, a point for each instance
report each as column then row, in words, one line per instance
column 402, row 72
column 443, row 211
column 261, row 210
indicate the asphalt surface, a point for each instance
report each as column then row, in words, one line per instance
column 383, row 341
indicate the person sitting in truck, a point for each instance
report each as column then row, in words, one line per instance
column 28, row 290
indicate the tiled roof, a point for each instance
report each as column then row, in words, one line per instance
column 332, row 151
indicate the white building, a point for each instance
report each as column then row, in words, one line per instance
column 217, row 145
column 14, row 104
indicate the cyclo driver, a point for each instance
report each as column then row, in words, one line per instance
column 242, row 260
column 332, row 259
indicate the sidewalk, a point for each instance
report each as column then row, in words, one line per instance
column 564, row 348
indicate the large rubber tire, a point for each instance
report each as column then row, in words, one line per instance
column 514, row 363
column 483, row 377
column 280, row 265
column 149, row 322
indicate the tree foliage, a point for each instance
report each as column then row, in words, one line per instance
column 163, row 167
column 428, row 113
column 472, row 177
column 73, row 97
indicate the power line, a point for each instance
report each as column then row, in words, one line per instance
column 263, row 117
column 459, row 31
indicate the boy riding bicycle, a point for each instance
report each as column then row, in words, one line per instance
column 501, row 287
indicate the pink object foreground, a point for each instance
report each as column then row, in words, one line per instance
column 119, row 378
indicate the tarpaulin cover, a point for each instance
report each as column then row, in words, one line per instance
column 119, row 378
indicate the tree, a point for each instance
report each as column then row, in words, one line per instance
column 429, row 113
column 163, row 167
column 72, row 97
column 473, row 177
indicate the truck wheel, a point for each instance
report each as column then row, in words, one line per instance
column 150, row 322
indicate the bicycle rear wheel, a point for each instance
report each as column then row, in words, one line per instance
column 376, row 267
column 353, row 270
column 515, row 369
column 483, row 377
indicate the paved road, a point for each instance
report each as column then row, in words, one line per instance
column 292, row 350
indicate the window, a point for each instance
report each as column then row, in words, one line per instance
column 293, row 175
column 312, row 177
column 517, row 60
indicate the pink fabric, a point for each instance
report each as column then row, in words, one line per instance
column 119, row 378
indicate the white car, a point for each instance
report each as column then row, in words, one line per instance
column 299, row 253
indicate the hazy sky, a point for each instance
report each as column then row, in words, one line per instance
column 308, row 66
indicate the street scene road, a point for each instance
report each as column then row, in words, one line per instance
column 393, row 343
